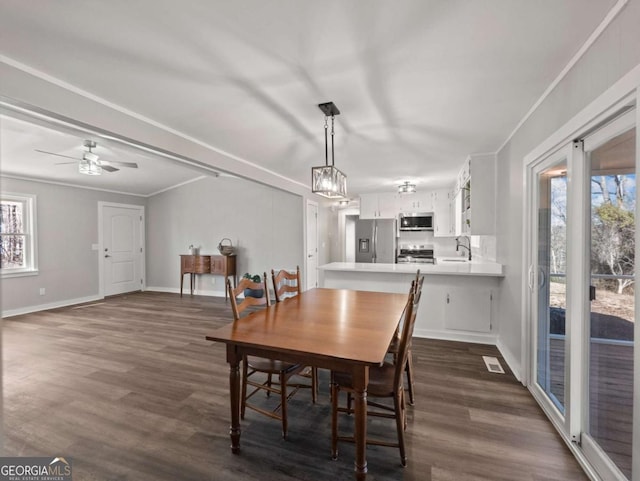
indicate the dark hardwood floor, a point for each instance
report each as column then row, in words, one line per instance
column 131, row 391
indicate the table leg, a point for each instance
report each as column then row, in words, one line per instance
column 192, row 282
column 181, row 282
column 360, row 382
column 233, row 358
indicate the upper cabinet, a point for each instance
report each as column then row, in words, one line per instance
column 418, row 202
column 475, row 201
column 378, row 206
column 442, row 201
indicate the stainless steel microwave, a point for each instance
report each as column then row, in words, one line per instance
column 416, row 221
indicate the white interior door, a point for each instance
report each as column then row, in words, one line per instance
column 312, row 246
column 122, row 248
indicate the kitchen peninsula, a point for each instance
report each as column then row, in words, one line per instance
column 459, row 296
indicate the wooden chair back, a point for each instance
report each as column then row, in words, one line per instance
column 418, row 285
column 285, row 282
column 408, row 323
column 239, row 307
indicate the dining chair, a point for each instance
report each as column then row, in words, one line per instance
column 287, row 284
column 416, row 285
column 256, row 365
column 385, row 382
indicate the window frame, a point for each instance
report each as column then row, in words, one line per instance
column 31, row 239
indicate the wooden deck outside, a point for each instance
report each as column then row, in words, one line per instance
column 611, row 396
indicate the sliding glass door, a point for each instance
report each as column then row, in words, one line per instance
column 611, row 156
column 582, row 293
column 551, row 216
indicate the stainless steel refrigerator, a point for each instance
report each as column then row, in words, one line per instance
column 376, row 241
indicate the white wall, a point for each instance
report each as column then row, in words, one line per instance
column 614, row 54
column 67, row 226
column 265, row 224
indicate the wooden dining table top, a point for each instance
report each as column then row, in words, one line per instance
column 350, row 325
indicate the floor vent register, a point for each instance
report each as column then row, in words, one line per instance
column 493, row 365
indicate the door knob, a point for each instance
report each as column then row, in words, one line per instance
column 107, row 255
column 310, row 255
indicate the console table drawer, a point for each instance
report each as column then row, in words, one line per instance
column 218, row 265
column 196, row 264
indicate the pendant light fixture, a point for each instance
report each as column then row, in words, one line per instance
column 326, row 180
column 407, row 188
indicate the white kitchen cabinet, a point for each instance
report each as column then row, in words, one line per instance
column 475, row 196
column 468, row 309
column 378, row 206
column 368, row 206
column 418, row 202
column 442, row 201
column 457, row 213
column 387, row 208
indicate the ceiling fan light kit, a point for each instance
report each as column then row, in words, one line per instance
column 90, row 163
column 327, row 180
column 89, row 167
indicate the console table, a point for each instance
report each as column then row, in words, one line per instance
column 219, row 265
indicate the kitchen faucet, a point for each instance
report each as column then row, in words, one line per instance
column 459, row 244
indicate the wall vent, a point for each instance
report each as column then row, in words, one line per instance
column 493, row 365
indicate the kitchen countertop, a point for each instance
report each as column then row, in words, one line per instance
column 444, row 266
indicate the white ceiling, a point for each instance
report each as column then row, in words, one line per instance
column 22, row 135
column 420, row 83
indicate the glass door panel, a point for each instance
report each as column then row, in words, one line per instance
column 551, row 275
column 612, row 306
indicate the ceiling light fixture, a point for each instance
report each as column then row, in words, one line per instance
column 407, row 188
column 326, row 180
column 89, row 164
column 89, row 167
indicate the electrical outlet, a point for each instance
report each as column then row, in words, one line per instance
column 42, row 291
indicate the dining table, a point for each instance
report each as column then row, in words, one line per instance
column 338, row 329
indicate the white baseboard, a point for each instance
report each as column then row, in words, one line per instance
column 510, row 359
column 185, row 292
column 51, row 305
column 450, row 335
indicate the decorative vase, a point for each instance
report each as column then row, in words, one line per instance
column 253, row 293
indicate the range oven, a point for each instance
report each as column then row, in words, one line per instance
column 422, row 254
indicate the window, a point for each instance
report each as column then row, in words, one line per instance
column 17, row 235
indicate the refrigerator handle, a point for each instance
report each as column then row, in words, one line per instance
column 375, row 242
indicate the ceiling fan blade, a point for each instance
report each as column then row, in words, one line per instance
column 108, row 168
column 59, row 155
column 65, row 163
column 133, row 165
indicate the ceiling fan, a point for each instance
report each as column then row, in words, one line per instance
column 90, row 163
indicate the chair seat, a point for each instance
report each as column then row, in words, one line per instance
column 380, row 380
column 394, row 346
column 272, row 366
